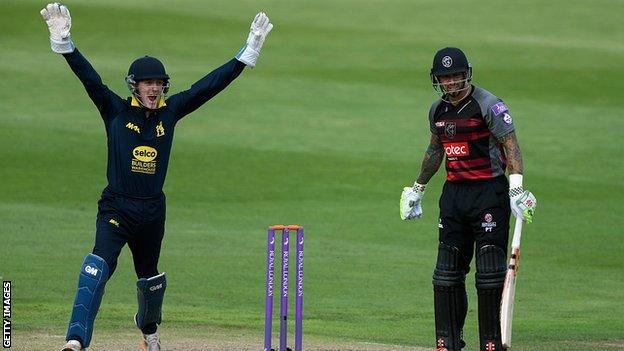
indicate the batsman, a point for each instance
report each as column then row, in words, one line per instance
column 473, row 130
column 139, row 133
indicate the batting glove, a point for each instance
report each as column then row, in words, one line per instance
column 410, row 205
column 260, row 28
column 58, row 19
column 523, row 202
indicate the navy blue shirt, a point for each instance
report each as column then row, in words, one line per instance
column 139, row 146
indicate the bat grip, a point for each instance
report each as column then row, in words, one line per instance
column 517, row 233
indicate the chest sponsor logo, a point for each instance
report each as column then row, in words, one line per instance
column 160, row 130
column 133, row 127
column 439, row 124
column 450, row 129
column 454, row 150
column 144, row 160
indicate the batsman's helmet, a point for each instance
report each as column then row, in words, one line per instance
column 146, row 67
column 449, row 61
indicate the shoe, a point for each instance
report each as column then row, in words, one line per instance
column 72, row 345
column 149, row 342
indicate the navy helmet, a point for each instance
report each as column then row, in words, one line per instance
column 146, row 67
column 449, row 61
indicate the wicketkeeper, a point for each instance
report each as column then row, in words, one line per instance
column 139, row 133
column 474, row 130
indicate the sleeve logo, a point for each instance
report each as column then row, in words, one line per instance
column 499, row 108
column 507, row 118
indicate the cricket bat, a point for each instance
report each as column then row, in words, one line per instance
column 509, row 289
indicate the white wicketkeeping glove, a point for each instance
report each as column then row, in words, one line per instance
column 410, row 205
column 260, row 28
column 523, row 202
column 59, row 22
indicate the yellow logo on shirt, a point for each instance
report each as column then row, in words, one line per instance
column 143, row 160
column 133, row 127
column 160, row 130
column 144, row 153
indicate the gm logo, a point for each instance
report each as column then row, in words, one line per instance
column 155, row 287
column 144, row 153
column 91, row 270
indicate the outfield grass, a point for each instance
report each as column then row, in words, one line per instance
column 324, row 132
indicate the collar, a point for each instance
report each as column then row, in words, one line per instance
column 135, row 102
column 463, row 100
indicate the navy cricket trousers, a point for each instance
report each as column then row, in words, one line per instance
column 138, row 222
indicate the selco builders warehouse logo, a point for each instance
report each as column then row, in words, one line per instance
column 6, row 314
column 144, row 159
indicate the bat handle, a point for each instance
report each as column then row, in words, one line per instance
column 517, row 233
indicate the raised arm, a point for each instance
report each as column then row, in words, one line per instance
column 58, row 19
column 213, row 83
column 203, row 90
column 103, row 98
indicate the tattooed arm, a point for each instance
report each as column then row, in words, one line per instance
column 432, row 160
column 522, row 202
column 411, row 197
column 512, row 153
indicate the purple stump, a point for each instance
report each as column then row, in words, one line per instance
column 284, row 291
column 270, row 278
column 299, row 293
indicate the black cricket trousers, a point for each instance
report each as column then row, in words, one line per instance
column 138, row 222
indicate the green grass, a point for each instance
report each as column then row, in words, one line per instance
column 324, row 132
